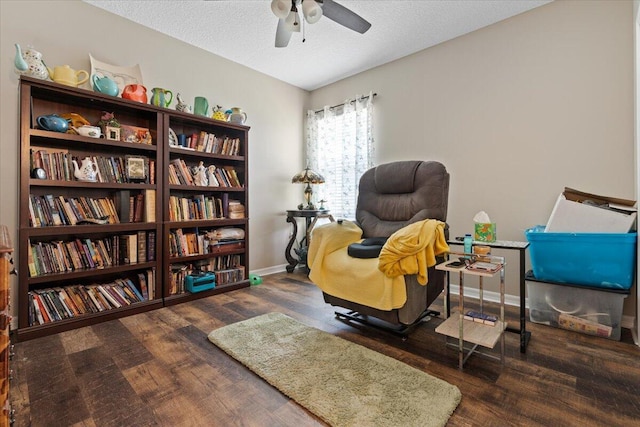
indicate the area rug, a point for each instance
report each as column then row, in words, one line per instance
column 343, row 383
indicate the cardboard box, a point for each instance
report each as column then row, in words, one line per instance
column 571, row 215
column 485, row 232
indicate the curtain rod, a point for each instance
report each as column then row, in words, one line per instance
column 340, row 105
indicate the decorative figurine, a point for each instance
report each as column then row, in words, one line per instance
column 211, row 173
column 182, row 106
column 200, row 175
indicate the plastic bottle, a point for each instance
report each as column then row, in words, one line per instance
column 468, row 243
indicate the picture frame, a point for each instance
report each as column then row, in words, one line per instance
column 137, row 168
column 135, row 134
column 112, row 133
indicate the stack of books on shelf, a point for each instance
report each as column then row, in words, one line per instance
column 60, row 256
column 195, row 208
column 140, row 207
column 236, row 209
column 58, row 166
column 181, row 174
column 209, row 143
column 49, row 210
column 60, row 303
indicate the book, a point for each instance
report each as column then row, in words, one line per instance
column 150, row 205
column 574, row 323
column 476, row 316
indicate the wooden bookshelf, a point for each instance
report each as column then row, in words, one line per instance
column 147, row 214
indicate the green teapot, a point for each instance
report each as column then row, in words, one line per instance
column 105, row 85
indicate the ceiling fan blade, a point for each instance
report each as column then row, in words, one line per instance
column 282, row 34
column 344, row 16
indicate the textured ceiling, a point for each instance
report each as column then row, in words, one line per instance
column 243, row 31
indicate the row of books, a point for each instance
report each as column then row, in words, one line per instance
column 58, row 165
column 49, row 210
column 195, row 207
column 59, row 303
column 140, row 207
column 223, row 276
column 209, row 143
column 81, row 254
column 212, row 176
column 197, row 242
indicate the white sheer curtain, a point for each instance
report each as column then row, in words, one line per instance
column 340, row 147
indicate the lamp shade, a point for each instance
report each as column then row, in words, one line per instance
column 312, row 11
column 307, row 176
column 281, row 8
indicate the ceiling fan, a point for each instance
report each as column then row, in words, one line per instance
column 312, row 11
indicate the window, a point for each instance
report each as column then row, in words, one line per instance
column 340, row 147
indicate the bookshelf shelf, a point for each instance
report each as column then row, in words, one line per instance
column 142, row 207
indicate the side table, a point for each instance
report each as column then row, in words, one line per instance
column 311, row 217
column 478, row 334
column 521, row 247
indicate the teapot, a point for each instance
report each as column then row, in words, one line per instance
column 75, row 119
column 30, row 63
column 219, row 114
column 236, row 115
column 52, row 122
column 87, row 172
column 105, row 85
column 88, row 130
column 159, row 97
column 68, row 76
column 135, row 92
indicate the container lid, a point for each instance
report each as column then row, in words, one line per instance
column 530, row 277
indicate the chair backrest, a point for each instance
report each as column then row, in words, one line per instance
column 396, row 194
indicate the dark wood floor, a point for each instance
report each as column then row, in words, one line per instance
column 158, row 368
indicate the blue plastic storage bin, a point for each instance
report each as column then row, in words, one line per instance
column 606, row 260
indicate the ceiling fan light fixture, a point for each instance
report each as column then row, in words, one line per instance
column 292, row 23
column 280, row 8
column 311, row 10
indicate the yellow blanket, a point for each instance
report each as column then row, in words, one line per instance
column 413, row 249
column 352, row 279
column 361, row 280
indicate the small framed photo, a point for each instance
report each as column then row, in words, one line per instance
column 137, row 168
column 112, row 133
column 135, row 134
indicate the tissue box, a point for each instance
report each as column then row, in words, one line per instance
column 485, row 232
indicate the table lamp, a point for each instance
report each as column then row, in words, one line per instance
column 307, row 176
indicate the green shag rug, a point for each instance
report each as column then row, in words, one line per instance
column 343, row 383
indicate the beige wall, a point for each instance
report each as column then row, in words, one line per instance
column 516, row 111
column 66, row 32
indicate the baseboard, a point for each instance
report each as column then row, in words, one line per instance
column 270, row 270
column 487, row 295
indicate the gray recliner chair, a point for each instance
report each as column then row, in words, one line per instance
column 392, row 196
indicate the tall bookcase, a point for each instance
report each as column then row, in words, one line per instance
column 101, row 271
column 206, row 226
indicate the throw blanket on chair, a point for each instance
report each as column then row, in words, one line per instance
column 413, row 249
column 361, row 280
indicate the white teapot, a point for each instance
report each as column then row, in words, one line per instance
column 30, row 63
column 87, row 172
